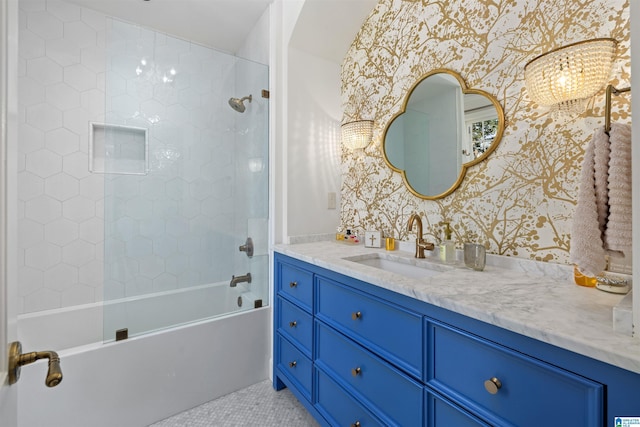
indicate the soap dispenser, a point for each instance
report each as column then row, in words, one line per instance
column 447, row 246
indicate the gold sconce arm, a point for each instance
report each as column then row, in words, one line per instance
column 607, row 109
column 17, row 359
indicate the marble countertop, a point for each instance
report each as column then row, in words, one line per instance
column 535, row 299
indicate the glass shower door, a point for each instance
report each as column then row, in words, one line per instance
column 186, row 182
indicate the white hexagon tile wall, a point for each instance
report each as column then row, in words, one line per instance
column 521, row 200
column 62, row 63
column 69, row 56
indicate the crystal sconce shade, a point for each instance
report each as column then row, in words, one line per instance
column 565, row 77
column 357, row 135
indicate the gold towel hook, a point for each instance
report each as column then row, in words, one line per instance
column 607, row 111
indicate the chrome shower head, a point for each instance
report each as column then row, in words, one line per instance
column 238, row 103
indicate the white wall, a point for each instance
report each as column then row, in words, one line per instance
column 313, row 144
column 313, row 37
column 256, row 45
column 306, row 106
column 283, row 18
column 8, row 146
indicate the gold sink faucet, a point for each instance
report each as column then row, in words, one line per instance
column 421, row 245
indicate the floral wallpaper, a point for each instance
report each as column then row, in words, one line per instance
column 521, row 200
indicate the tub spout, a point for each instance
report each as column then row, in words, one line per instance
column 54, row 375
column 17, row 359
column 240, row 279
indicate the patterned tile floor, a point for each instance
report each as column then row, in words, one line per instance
column 257, row 405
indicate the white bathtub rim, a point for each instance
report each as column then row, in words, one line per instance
column 83, row 325
column 98, row 345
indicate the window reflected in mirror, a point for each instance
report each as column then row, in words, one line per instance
column 443, row 128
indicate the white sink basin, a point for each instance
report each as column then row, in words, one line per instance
column 409, row 267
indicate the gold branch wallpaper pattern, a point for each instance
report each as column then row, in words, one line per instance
column 522, row 198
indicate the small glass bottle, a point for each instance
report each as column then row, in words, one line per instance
column 447, row 246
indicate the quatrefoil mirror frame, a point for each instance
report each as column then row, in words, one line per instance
column 464, row 165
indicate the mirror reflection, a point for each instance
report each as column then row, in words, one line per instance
column 444, row 128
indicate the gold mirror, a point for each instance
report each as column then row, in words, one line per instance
column 444, row 128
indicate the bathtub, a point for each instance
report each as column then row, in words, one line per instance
column 147, row 377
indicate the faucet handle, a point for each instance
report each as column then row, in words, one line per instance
column 426, row 245
column 247, row 247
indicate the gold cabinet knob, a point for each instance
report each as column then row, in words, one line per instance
column 293, row 324
column 293, row 364
column 356, row 424
column 293, row 284
column 492, row 385
column 357, row 315
column 356, row 371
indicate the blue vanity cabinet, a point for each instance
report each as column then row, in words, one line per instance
column 507, row 387
column 293, row 331
column 389, row 330
column 390, row 394
column 338, row 407
column 441, row 412
column 367, row 356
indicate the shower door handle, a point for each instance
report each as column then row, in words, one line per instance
column 247, row 247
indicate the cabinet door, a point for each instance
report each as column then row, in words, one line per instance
column 507, row 387
column 442, row 413
column 294, row 365
column 294, row 324
column 294, row 284
column 339, row 407
column 390, row 394
column 389, row 330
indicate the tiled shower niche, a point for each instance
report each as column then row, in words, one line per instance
column 118, row 149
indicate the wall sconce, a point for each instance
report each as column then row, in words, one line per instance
column 566, row 77
column 357, row 135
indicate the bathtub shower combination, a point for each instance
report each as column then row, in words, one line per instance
column 173, row 155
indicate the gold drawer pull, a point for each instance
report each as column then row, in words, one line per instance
column 356, row 424
column 293, row 284
column 356, row 371
column 293, row 324
column 357, row 315
column 293, row 364
column 492, row 385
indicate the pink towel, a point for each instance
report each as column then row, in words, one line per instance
column 602, row 223
column 589, row 222
column 618, row 231
column 602, row 156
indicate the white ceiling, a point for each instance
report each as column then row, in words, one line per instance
column 222, row 24
column 325, row 28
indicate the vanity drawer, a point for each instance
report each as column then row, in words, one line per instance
column 386, row 329
column 338, row 407
column 377, row 383
column 443, row 413
column 294, row 365
column 295, row 324
column 527, row 392
column 295, row 284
